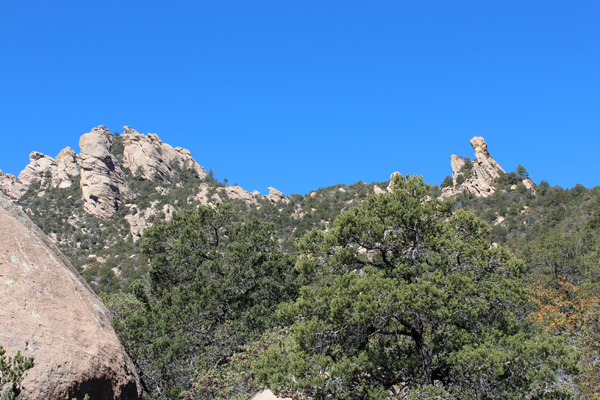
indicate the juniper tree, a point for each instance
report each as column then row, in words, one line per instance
column 402, row 296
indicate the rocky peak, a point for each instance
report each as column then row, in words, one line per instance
column 103, row 185
column 476, row 176
column 486, row 168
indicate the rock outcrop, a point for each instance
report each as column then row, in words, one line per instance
column 390, row 187
column 68, row 165
column 50, row 172
column 146, row 156
column 238, row 193
column 477, row 176
column 49, row 312
column 10, row 185
column 276, row 196
column 100, row 170
column 39, row 164
column 103, row 185
column 141, row 220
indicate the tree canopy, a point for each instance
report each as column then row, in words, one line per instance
column 403, row 296
column 214, row 284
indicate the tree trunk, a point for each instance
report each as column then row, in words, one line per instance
column 426, row 358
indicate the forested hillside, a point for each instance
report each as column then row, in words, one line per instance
column 482, row 287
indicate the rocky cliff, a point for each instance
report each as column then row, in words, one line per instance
column 49, row 312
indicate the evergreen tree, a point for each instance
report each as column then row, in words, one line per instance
column 214, row 286
column 404, row 297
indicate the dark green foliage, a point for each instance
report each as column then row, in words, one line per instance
column 12, row 372
column 236, row 379
column 447, row 182
column 522, row 172
column 164, row 318
column 213, row 286
column 401, row 294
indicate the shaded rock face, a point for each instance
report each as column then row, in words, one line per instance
column 146, row 156
column 103, row 185
column 49, row 312
column 477, row 176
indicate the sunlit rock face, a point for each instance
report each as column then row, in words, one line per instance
column 103, row 185
column 478, row 175
column 147, row 157
column 50, row 313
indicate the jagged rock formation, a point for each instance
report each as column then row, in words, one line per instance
column 48, row 311
column 101, row 171
column 146, row 156
column 477, row 176
column 238, row 193
column 103, row 184
column 50, row 172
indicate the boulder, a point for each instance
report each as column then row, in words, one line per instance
column 268, row 395
column 238, row 193
column 103, row 185
column 378, row 190
column 276, row 196
column 50, row 313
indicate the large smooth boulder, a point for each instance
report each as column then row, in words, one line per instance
column 49, row 312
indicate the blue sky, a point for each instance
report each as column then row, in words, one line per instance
column 305, row 94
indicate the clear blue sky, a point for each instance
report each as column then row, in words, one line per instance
column 304, row 94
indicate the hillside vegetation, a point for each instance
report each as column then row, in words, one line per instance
column 484, row 287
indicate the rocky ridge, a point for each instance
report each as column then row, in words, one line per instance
column 105, row 164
